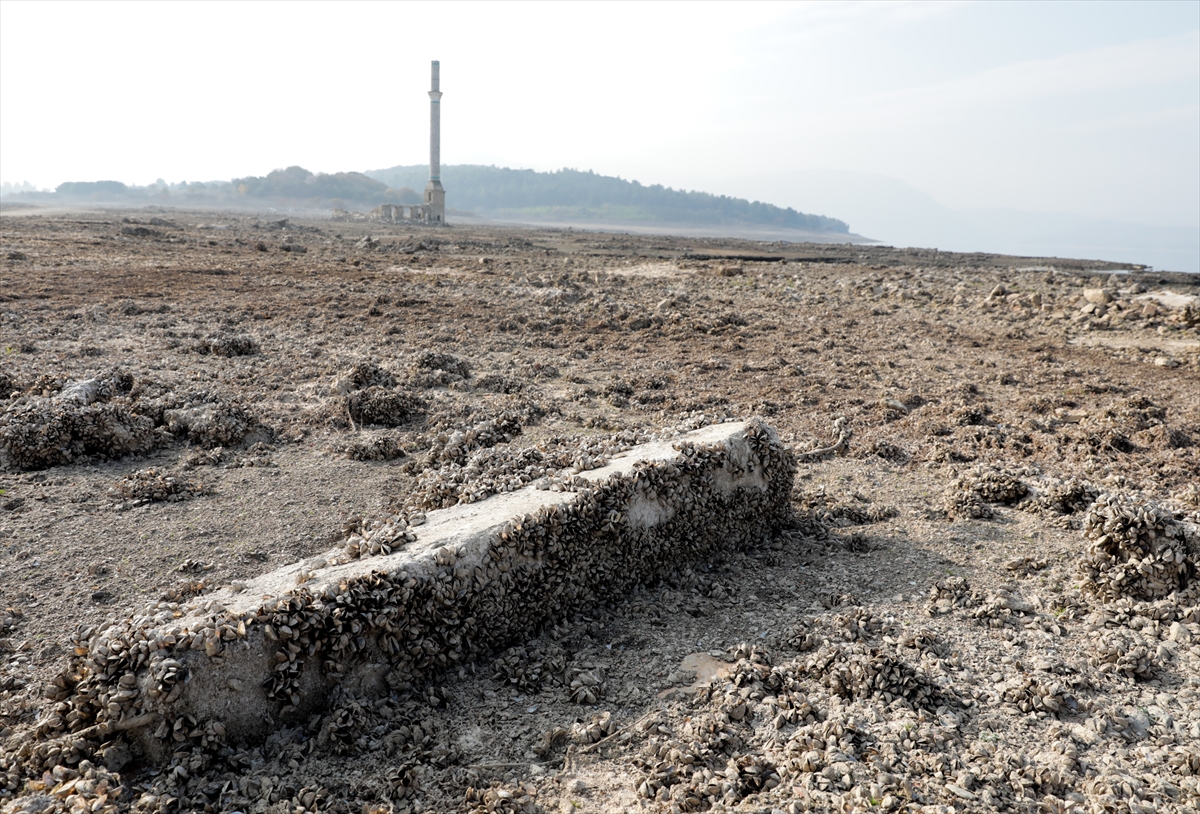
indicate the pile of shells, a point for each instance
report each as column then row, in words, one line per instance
column 970, row 494
column 859, row 624
column 500, row 799
column 1187, row 496
column 228, row 345
column 454, row 447
column 1156, row 614
column 889, row 451
column 1138, row 411
column 362, row 375
column 429, row 369
column 528, row 668
column 374, row 538
column 1024, row 566
column 466, row 466
column 1000, row 607
column 587, row 684
column 859, row 673
column 485, row 473
column 688, row 579
column 156, row 485
column 1126, row 653
column 926, row 641
column 818, row 508
column 9, row 619
column 952, row 592
column 595, row 729
column 383, row 407
column 379, row 446
column 129, row 683
column 799, row 637
column 1032, row 693
column 214, row 421
column 1138, row 550
column 499, row 383
column 1062, row 497
column 342, row 727
column 87, row 418
column 81, row 788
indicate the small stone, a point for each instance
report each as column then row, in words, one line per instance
column 1166, row 361
column 998, row 292
column 1097, row 295
column 577, row 786
column 1179, row 633
column 1150, row 310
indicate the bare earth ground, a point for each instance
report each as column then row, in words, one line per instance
column 923, row 638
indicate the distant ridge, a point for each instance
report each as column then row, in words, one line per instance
column 573, row 195
column 563, row 196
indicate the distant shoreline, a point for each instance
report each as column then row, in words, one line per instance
column 682, row 229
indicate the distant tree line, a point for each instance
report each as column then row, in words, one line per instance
column 290, row 186
column 567, row 194
column 297, row 183
column 571, row 193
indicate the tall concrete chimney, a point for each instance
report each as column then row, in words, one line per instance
column 435, row 195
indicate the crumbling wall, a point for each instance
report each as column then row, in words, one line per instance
column 235, row 665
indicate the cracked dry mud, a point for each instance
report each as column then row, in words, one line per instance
column 986, row 601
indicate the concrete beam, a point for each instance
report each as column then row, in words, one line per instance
column 236, row 664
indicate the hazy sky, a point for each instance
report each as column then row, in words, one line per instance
column 1087, row 108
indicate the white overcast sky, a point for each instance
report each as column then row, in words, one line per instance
column 1086, row 108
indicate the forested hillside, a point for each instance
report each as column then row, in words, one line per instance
column 573, row 195
column 497, row 192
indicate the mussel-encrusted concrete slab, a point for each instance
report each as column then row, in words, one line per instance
column 480, row 576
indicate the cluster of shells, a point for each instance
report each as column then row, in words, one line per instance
column 950, row 593
column 81, row 788
column 1056, row 496
column 228, row 345
column 528, row 669
column 825, row 512
column 128, row 678
column 106, row 417
column 454, row 447
column 758, row 738
column 146, row 485
column 972, row 494
column 501, row 799
column 1033, row 693
column 92, row 417
column 802, row 736
column 859, row 672
column 383, row 407
column 1138, row 550
column 372, row 446
column 466, row 466
column 375, row 538
column 1127, row 653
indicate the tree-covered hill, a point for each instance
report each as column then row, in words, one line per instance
column 565, row 195
column 573, row 195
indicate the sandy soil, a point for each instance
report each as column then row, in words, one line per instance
column 934, row 633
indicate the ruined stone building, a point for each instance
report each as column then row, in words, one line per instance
column 433, row 209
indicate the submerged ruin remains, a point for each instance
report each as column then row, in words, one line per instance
column 234, row 665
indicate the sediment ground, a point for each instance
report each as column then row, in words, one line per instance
column 985, row 601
